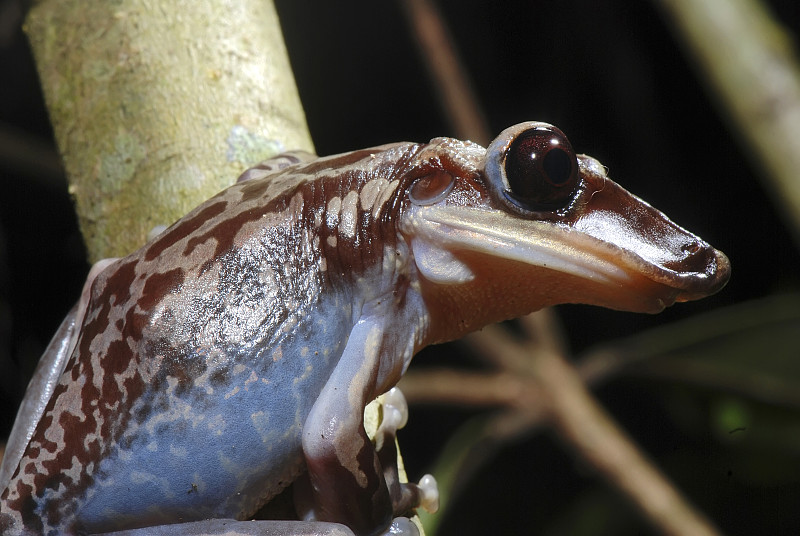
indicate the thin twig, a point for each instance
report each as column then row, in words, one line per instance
column 595, row 437
column 586, row 428
column 451, row 80
column 550, row 390
column 469, row 389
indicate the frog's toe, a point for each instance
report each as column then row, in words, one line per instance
column 429, row 494
column 402, row 526
column 395, row 417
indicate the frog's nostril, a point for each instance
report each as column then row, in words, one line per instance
column 695, row 257
column 691, row 248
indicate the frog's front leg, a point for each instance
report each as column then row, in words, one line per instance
column 347, row 483
column 345, row 471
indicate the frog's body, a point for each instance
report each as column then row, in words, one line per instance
column 205, row 372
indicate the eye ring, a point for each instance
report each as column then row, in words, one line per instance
column 532, row 169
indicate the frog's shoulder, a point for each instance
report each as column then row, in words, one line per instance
column 276, row 164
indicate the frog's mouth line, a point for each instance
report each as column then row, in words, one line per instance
column 555, row 246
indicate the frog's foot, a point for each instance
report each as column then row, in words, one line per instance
column 230, row 527
column 405, row 496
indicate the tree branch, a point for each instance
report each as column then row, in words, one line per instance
column 749, row 63
column 156, row 106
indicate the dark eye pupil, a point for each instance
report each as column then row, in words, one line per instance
column 541, row 169
column 557, row 166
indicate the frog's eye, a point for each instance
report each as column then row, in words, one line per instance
column 533, row 168
column 541, row 168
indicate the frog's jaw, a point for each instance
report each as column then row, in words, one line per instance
column 618, row 260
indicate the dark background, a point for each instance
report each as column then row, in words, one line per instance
column 613, row 77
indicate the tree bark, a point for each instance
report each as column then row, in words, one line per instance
column 156, row 106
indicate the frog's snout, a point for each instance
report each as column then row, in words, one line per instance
column 717, row 274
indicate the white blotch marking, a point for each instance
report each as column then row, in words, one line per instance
column 260, row 420
column 347, row 225
column 369, row 193
column 178, row 452
column 216, row 425
column 253, row 378
column 162, row 483
column 331, row 240
column 332, row 213
column 289, row 325
column 386, row 192
column 305, row 374
column 75, row 470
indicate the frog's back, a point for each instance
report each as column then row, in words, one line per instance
column 228, row 312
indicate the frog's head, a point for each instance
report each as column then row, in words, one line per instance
column 527, row 223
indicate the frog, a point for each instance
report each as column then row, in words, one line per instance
column 232, row 356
